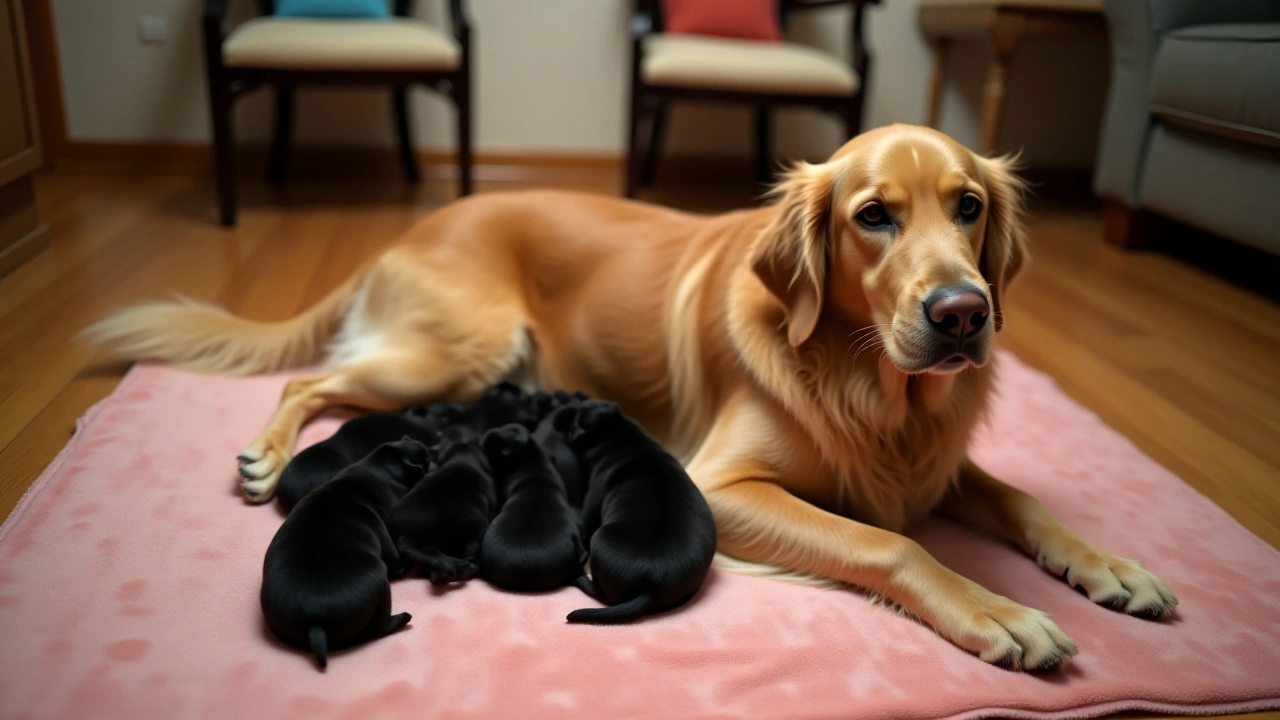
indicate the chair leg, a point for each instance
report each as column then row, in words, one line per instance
column 632, row 178
column 763, row 169
column 853, row 117
column 284, row 135
column 657, row 134
column 404, row 133
column 224, row 153
column 462, row 97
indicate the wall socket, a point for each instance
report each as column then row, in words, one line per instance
column 153, row 30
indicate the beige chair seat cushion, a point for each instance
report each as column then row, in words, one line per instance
column 324, row 44
column 786, row 68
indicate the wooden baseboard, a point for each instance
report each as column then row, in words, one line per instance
column 323, row 160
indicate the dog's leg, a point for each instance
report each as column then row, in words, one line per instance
column 987, row 504
column 388, row 381
column 760, row 522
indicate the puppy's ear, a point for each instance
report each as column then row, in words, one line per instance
column 790, row 255
column 1004, row 243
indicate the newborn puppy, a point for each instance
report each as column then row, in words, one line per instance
column 439, row 524
column 534, row 543
column 564, row 458
column 499, row 405
column 651, row 533
column 324, row 579
column 357, row 437
column 437, row 415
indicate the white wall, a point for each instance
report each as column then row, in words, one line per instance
column 551, row 76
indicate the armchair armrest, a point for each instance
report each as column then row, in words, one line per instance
column 1136, row 29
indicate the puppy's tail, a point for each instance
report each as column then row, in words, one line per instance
column 319, row 645
column 206, row 338
column 623, row 612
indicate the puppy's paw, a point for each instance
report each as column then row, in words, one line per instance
column 1108, row 580
column 1007, row 634
column 451, row 570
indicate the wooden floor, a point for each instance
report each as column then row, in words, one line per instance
column 1183, row 363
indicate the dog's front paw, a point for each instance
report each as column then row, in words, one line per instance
column 260, row 470
column 1108, row 580
column 1004, row 633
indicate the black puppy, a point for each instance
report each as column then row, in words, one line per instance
column 439, row 524
column 651, row 533
column 553, row 441
column 357, row 437
column 534, row 543
column 324, row 579
column 500, row 405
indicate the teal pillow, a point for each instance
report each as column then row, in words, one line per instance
column 332, row 8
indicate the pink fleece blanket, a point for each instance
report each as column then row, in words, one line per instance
column 129, row 582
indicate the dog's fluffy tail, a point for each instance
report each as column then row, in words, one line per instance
column 203, row 337
column 620, row 613
column 319, row 645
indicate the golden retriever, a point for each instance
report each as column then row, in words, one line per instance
column 819, row 363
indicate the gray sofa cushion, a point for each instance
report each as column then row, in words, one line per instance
column 1221, row 79
column 1219, row 185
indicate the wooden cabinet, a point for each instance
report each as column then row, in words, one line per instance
column 22, row 235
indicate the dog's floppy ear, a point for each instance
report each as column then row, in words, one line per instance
column 790, row 255
column 1004, row 243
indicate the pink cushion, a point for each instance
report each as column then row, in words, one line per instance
column 129, row 580
column 742, row 19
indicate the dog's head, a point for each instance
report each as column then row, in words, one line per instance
column 505, row 446
column 904, row 236
column 582, row 424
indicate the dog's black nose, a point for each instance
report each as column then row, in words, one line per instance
column 956, row 312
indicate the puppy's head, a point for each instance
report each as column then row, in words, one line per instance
column 505, row 446
column 405, row 460
column 905, row 239
column 436, row 416
column 586, row 423
column 504, row 390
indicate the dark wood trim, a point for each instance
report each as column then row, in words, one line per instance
column 23, row 249
column 42, row 49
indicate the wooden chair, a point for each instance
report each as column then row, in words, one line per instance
column 761, row 74
column 288, row 52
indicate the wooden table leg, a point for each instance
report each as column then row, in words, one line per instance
column 1006, row 32
column 939, row 46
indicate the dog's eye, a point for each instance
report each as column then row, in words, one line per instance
column 873, row 216
column 970, row 207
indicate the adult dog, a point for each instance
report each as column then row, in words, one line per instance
column 818, row 363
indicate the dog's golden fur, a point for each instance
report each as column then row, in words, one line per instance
column 781, row 352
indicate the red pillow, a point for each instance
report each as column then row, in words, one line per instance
column 742, row 19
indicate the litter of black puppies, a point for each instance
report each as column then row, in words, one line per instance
column 652, row 535
column 515, row 487
column 324, row 579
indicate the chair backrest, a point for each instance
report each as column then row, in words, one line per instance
column 654, row 9
column 401, row 8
